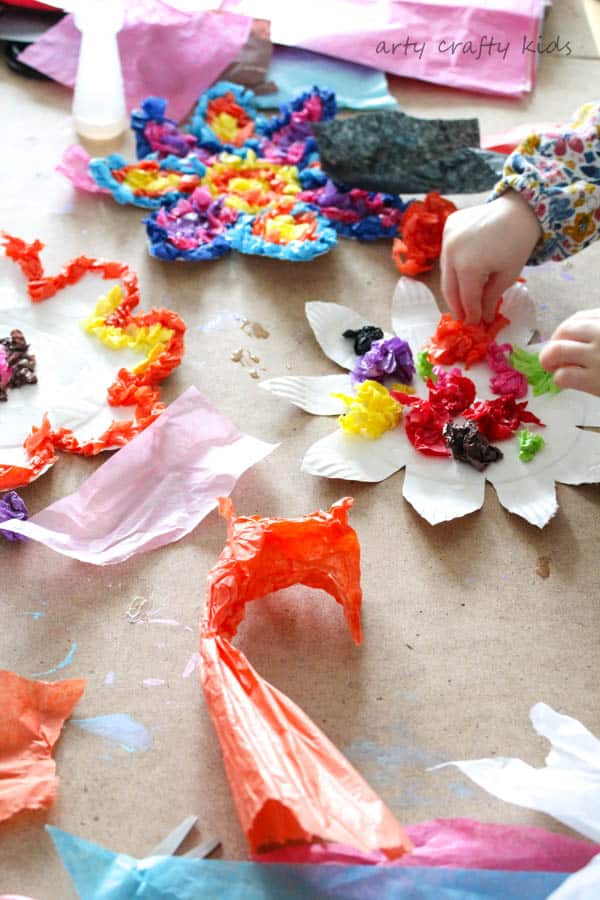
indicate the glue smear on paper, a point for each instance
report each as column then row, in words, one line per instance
column 120, row 728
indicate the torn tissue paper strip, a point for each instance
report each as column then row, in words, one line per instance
column 568, row 787
column 153, row 491
column 100, row 874
column 487, row 46
column 290, row 783
column 153, row 36
column 31, row 719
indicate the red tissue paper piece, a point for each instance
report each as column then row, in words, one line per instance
column 421, row 229
column 455, row 341
column 139, row 390
column 425, row 420
column 31, row 719
column 498, row 419
column 290, row 783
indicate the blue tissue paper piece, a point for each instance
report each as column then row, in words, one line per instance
column 356, row 87
column 100, row 874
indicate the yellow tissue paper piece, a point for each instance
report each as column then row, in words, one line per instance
column 149, row 340
column 142, row 180
column 371, row 413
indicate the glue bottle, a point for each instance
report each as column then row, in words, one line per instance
column 99, row 103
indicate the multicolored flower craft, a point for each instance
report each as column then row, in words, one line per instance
column 248, row 163
column 84, row 400
column 443, row 427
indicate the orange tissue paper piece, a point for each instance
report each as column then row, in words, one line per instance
column 290, row 783
column 455, row 341
column 421, row 229
column 32, row 714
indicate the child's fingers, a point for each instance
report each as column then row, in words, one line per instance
column 576, row 328
column 577, row 379
column 471, row 284
column 557, row 354
column 450, row 289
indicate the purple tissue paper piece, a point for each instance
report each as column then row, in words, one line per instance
column 387, row 357
column 12, row 507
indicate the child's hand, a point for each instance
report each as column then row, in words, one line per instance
column 573, row 352
column 483, row 252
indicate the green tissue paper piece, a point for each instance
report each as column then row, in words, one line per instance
column 529, row 364
column 424, row 366
column 529, row 445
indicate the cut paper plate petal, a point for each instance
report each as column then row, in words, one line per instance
column 415, row 313
column 328, row 322
column 154, row 491
column 518, row 306
column 443, row 489
column 532, row 498
column 341, row 455
column 567, row 787
column 311, row 393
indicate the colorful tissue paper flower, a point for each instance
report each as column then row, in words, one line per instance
column 529, row 445
column 371, row 413
column 147, row 183
column 541, row 381
column 155, row 133
column 33, row 713
column 387, row 358
column 468, row 445
column 250, row 184
column 353, row 212
column 289, row 782
column 421, row 229
column 194, row 228
column 288, row 137
column 285, row 230
column 12, row 507
column 455, row 341
column 224, row 117
column 79, row 416
column 498, row 419
column 507, row 379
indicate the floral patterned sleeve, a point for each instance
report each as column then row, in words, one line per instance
column 560, row 179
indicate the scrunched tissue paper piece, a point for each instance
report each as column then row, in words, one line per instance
column 32, row 714
column 153, row 491
column 290, row 783
column 568, row 787
column 12, row 507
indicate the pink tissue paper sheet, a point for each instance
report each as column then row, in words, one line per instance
column 164, row 52
column 153, row 491
column 459, row 843
column 388, row 36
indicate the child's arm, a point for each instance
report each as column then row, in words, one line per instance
column 549, row 208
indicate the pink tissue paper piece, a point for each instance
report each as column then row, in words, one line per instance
column 164, row 52
column 74, row 166
column 459, row 843
column 445, row 43
column 153, row 491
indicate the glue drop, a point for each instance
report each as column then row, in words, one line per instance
column 99, row 103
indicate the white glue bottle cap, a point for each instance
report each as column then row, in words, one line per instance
column 99, row 111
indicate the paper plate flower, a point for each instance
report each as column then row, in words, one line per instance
column 155, row 133
column 288, row 137
column 94, row 391
column 292, row 231
column 193, row 228
column 421, row 229
column 248, row 183
column 439, row 486
column 147, row 183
